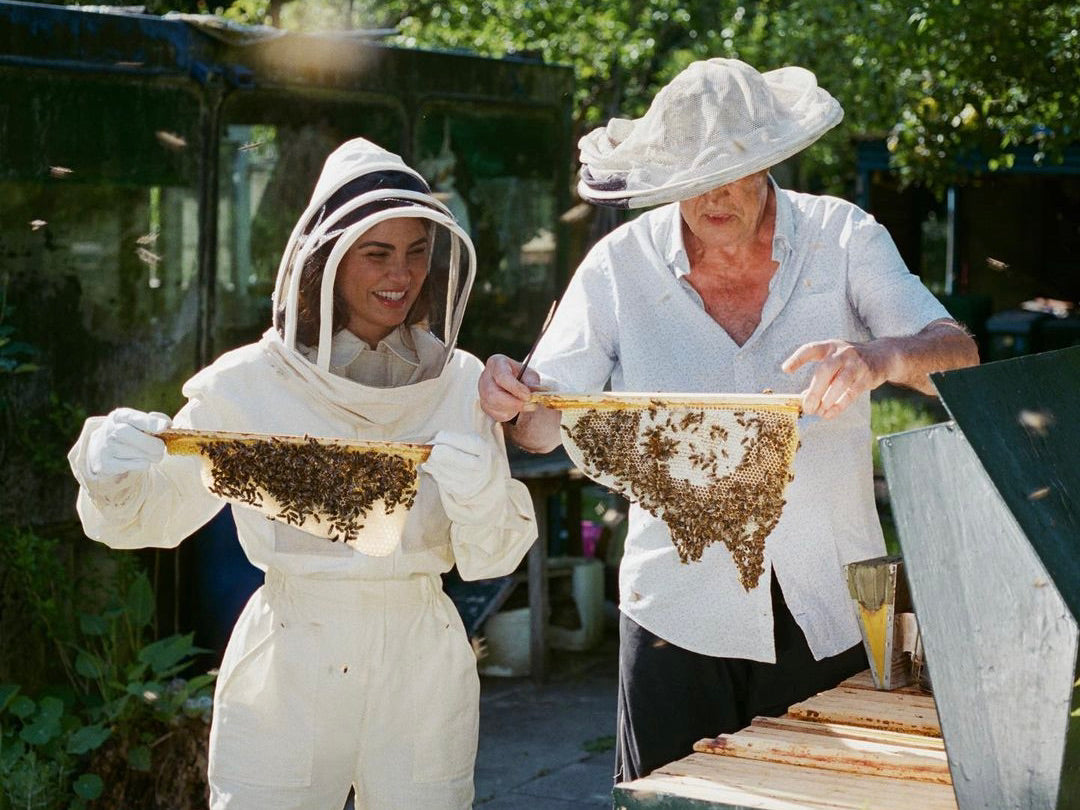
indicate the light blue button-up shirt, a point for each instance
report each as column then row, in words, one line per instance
column 630, row 318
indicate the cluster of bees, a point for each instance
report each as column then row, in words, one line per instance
column 312, row 481
column 684, row 470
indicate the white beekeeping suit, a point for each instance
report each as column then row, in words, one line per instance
column 344, row 669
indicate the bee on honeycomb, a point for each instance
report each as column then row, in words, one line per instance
column 311, row 480
column 713, row 474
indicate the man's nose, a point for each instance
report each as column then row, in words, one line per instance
column 718, row 193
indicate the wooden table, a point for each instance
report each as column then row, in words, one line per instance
column 852, row 747
column 545, row 475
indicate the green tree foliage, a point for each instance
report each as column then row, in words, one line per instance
column 976, row 81
column 954, row 87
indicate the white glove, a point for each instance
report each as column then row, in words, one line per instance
column 123, row 442
column 471, row 485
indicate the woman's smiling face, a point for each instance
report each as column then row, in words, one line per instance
column 380, row 276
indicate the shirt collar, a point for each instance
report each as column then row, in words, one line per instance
column 668, row 234
column 346, row 347
column 784, row 230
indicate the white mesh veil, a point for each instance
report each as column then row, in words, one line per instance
column 362, row 185
column 717, row 121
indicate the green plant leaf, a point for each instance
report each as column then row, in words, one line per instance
column 139, row 758
column 164, row 655
column 113, row 708
column 200, row 681
column 51, row 708
column 12, row 751
column 8, row 691
column 89, row 786
column 113, row 613
column 149, row 691
column 89, row 665
column 42, row 731
column 87, row 739
column 137, row 671
column 140, row 602
column 92, row 624
column 22, row 706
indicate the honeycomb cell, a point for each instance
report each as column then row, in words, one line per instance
column 712, row 474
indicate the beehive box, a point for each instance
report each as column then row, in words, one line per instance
column 987, row 508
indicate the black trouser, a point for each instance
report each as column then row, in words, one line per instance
column 669, row 698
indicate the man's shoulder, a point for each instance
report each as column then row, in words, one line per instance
column 820, row 204
column 824, row 213
column 646, row 233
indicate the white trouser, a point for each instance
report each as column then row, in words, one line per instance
column 332, row 683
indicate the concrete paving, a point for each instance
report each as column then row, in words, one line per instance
column 550, row 746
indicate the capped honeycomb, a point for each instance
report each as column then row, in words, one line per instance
column 713, row 472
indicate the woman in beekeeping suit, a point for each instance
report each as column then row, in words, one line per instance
column 345, row 669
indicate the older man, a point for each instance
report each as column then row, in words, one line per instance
column 733, row 284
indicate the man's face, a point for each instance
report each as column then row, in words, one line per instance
column 727, row 216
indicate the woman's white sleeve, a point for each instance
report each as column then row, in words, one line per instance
column 496, row 547
column 157, row 507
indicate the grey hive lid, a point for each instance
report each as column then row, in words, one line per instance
column 1022, row 419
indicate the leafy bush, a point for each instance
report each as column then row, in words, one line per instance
column 895, row 415
column 114, row 722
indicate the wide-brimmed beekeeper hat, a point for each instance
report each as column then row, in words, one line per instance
column 361, row 185
column 716, row 122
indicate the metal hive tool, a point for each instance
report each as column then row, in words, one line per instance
column 355, row 492
column 714, row 467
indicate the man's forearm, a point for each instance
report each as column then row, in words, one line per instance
column 941, row 346
column 537, row 431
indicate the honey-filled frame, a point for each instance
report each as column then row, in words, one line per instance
column 714, row 468
column 358, row 493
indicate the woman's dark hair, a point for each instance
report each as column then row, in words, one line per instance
column 308, row 309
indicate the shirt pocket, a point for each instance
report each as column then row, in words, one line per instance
column 264, row 707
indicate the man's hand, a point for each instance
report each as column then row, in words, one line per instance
column 503, row 397
column 845, row 372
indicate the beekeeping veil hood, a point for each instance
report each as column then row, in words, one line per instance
column 360, row 186
column 717, row 121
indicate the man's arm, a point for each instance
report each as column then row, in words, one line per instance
column 503, row 397
column 847, row 370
